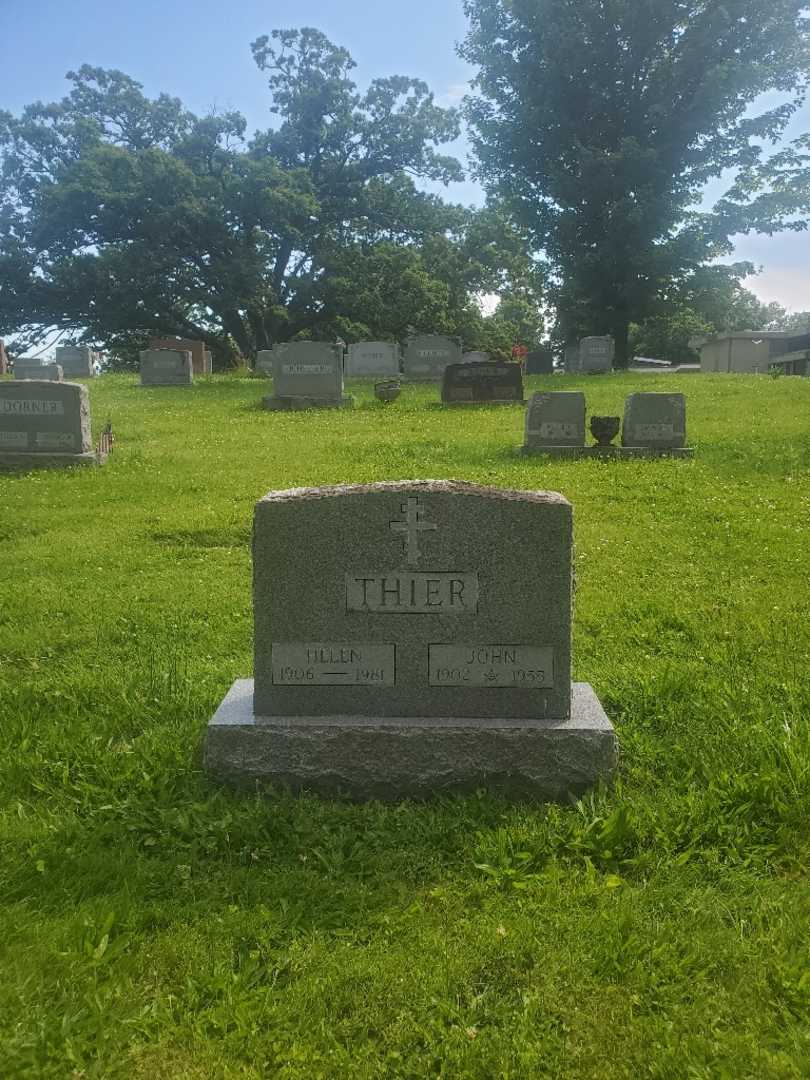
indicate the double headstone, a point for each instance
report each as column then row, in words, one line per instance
column 427, row 355
column 77, row 361
column 44, row 423
column 492, row 381
column 307, row 374
column 166, row 367
column 654, row 425
column 402, row 649
column 32, row 368
column 373, row 358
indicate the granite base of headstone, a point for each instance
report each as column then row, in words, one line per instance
column 166, row 367
column 402, row 649
column 45, row 424
column 490, row 382
column 307, row 375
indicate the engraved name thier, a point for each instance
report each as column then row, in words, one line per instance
column 402, row 592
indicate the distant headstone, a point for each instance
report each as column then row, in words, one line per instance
column 307, row 374
column 493, row 381
column 554, row 419
column 427, row 355
column 44, row 423
column 77, row 361
column 596, row 355
column 4, row 365
column 200, row 356
column 32, row 368
column 372, row 358
column 166, row 367
column 539, row 362
column 264, row 362
column 655, row 421
column 401, row 648
column 475, row 357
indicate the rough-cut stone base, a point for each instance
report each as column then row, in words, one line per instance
column 48, row 461
column 294, row 404
column 395, row 758
column 610, row 451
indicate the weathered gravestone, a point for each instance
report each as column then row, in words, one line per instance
column 539, row 362
column 427, row 355
column 32, row 368
column 596, row 355
column 655, row 421
column 201, row 363
column 44, row 423
column 555, row 423
column 307, row 374
column 77, row 361
column 166, row 367
column 491, row 381
column 402, row 648
column 4, row 365
column 372, row 358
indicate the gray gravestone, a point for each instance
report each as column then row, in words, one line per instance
column 307, row 374
column 539, row 362
column 25, row 368
column 166, row 367
column 555, row 418
column 596, row 355
column 427, row 355
column 77, row 361
column 372, row 358
column 655, row 421
column 44, row 422
column 497, row 382
column 402, row 649
column 264, row 362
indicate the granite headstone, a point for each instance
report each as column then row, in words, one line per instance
column 307, row 374
column 655, row 421
column 166, row 367
column 43, row 422
column 555, row 418
column 200, row 356
column 372, row 358
column 402, row 649
column 492, row 381
column 427, row 355
column 596, row 355
column 77, row 361
column 33, row 368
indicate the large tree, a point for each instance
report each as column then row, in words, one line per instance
column 600, row 122
column 121, row 215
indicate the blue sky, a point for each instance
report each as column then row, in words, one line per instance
column 199, row 51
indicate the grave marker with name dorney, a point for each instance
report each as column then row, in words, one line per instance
column 555, row 419
column 372, row 358
column 166, row 367
column 44, row 422
column 493, row 381
column 655, row 421
column 402, row 649
column 427, row 355
column 307, row 374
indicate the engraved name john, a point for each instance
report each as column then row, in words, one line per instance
column 398, row 592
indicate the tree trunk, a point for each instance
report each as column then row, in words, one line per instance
column 621, row 336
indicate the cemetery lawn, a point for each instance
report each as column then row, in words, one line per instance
column 155, row 925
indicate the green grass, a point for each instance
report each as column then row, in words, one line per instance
column 154, row 925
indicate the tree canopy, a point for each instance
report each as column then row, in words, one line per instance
column 122, row 215
column 598, row 124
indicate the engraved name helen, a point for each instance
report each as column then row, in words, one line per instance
column 402, row 592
